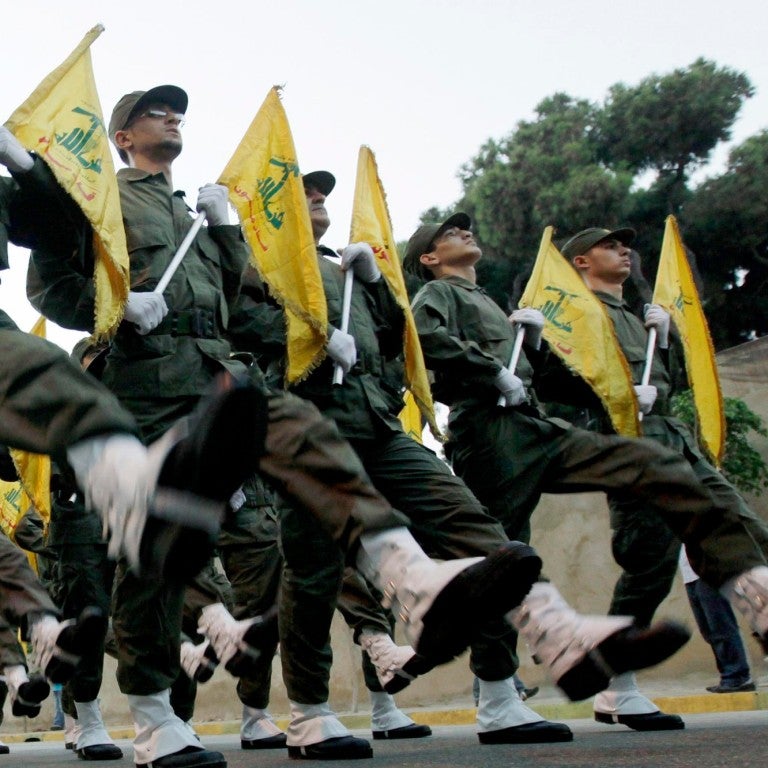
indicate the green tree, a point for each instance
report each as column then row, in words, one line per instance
column 726, row 223
column 742, row 465
column 627, row 160
column 671, row 123
column 546, row 172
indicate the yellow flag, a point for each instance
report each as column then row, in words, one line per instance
column 62, row 121
column 676, row 292
column 34, row 490
column 410, row 417
column 10, row 506
column 579, row 330
column 266, row 189
column 35, row 469
column 371, row 224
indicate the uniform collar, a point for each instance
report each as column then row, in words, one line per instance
column 462, row 282
column 134, row 175
column 609, row 299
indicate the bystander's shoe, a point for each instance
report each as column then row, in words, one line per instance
column 741, row 688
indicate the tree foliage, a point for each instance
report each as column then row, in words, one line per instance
column 742, row 464
column 671, row 123
column 727, row 225
column 629, row 160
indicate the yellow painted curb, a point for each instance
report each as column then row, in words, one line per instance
column 681, row 705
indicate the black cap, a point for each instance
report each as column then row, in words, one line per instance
column 422, row 239
column 322, row 181
column 132, row 103
column 582, row 241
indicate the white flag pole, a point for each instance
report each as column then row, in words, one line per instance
column 183, row 248
column 346, row 308
column 519, row 338
column 649, row 350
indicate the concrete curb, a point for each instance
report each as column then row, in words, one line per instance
column 681, row 705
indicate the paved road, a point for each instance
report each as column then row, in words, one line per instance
column 733, row 739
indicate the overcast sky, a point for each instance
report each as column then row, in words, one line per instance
column 423, row 82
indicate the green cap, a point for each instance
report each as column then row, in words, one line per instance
column 582, row 241
column 322, row 181
column 422, row 239
column 132, row 103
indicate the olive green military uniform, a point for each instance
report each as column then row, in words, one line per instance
column 643, row 545
column 250, row 553
column 249, row 542
column 444, row 516
column 306, row 459
column 158, row 377
column 46, row 405
column 85, row 575
column 510, row 456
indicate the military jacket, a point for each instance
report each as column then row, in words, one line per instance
column 6, row 191
column 466, row 339
column 180, row 356
column 371, row 395
column 46, row 403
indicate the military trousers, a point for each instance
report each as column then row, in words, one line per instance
column 445, row 518
column 250, row 554
column 642, row 542
column 510, row 456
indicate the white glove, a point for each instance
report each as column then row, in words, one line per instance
column 237, row 499
column 146, row 310
column 114, row 474
column 214, row 200
column 12, row 155
column 510, row 386
column 361, row 258
column 658, row 318
column 646, row 397
column 533, row 321
column 342, row 350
